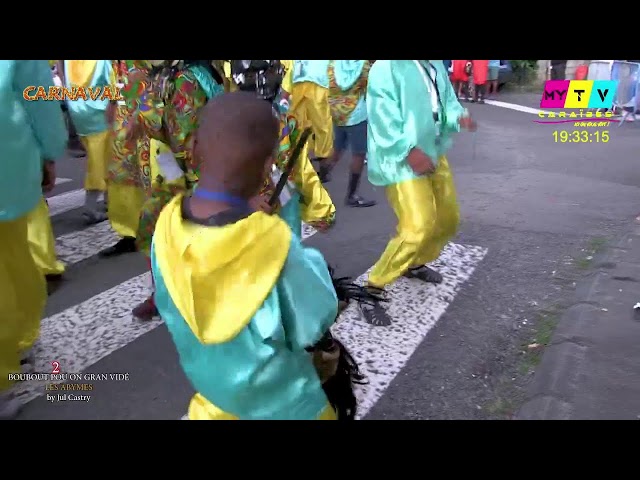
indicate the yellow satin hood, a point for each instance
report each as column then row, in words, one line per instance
column 218, row 277
column 80, row 72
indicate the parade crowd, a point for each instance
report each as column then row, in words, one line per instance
column 208, row 168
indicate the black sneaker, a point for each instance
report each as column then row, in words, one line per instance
column 358, row 202
column 425, row 274
column 124, row 245
column 324, row 173
column 92, row 217
column 53, row 282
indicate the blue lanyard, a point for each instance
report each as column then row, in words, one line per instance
column 232, row 200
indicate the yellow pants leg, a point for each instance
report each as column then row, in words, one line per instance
column 447, row 214
column 311, row 107
column 298, row 104
column 423, row 229
column 23, row 294
column 124, row 203
column 98, row 147
column 41, row 240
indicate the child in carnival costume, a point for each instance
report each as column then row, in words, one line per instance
column 169, row 98
column 241, row 296
column 304, row 198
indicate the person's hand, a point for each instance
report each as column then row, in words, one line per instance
column 260, row 203
column 111, row 112
column 48, row 176
column 420, row 162
column 137, row 75
column 468, row 123
column 133, row 128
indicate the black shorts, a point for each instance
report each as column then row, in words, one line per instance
column 353, row 137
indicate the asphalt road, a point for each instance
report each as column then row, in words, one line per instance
column 531, row 209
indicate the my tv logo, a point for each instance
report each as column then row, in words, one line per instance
column 579, row 94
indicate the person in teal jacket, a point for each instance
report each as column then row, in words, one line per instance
column 413, row 113
column 32, row 136
column 90, row 120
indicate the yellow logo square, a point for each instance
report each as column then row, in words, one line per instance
column 579, row 94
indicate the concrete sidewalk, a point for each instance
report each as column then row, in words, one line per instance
column 591, row 368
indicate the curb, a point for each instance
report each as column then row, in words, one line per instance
column 552, row 393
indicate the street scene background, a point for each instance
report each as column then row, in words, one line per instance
column 537, row 218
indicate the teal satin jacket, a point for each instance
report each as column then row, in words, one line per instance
column 400, row 117
column 311, row 71
column 89, row 115
column 30, row 132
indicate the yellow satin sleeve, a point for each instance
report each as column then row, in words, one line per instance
column 80, row 72
column 317, row 206
column 230, row 86
column 287, row 80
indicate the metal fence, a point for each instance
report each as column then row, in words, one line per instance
column 627, row 75
column 600, row 70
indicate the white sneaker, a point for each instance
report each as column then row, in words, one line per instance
column 10, row 406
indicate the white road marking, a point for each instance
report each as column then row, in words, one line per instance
column 516, row 107
column 382, row 352
column 61, row 180
column 64, row 202
column 82, row 244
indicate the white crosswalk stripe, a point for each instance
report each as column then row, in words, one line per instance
column 62, row 180
column 64, row 202
column 81, row 335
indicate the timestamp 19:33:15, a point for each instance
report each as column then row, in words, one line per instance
column 581, row 136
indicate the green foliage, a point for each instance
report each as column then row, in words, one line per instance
column 524, row 70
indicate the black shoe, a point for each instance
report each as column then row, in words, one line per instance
column 92, row 217
column 425, row 274
column 146, row 311
column 324, row 173
column 374, row 314
column 358, row 202
column 371, row 309
column 53, row 283
column 124, row 245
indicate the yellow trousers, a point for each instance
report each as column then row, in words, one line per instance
column 124, row 203
column 428, row 216
column 23, row 294
column 99, row 148
column 310, row 105
column 42, row 243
